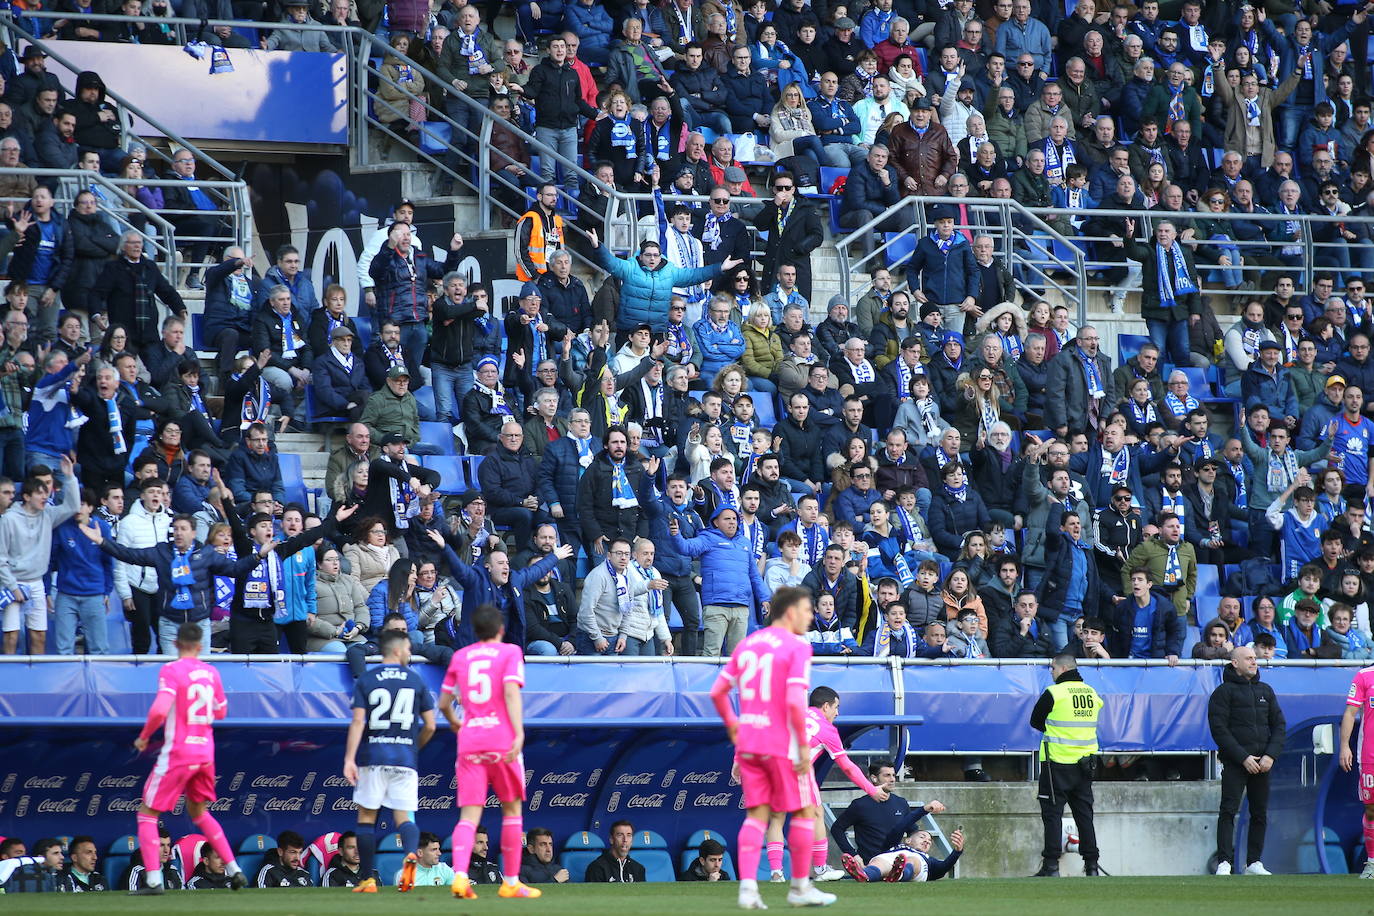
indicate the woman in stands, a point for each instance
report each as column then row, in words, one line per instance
column 1139, row 408
column 339, row 601
column 976, row 560
column 114, row 342
column 703, row 447
column 615, row 139
column 792, row 134
column 743, row 288
column 166, row 450
column 762, row 351
column 958, row 595
column 220, row 539
column 906, row 82
column 400, row 94
column 1155, row 184
column 730, row 382
column 858, row 452
column 373, row 555
column 979, row 408
column 395, row 592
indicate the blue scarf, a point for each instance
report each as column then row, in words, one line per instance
column 182, row 579
column 1179, row 407
column 943, row 244
column 814, row 541
column 622, row 588
column 116, row 425
column 256, row 404
column 1142, row 415
column 1179, row 284
column 1238, row 474
column 288, row 337
column 679, row 345
column 960, row 494
column 1091, row 373
column 1173, row 570
column 622, row 494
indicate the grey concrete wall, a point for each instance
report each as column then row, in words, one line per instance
column 1143, row 828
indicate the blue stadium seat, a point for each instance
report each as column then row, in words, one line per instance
column 707, row 133
column 579, row 851
column 765, row 409
column 435, row 137
column 391, row 854
column 1308, row 863
column 831, row 174
column 1208, row 587
column 1198, row 386
column 690, row 851
column 251, row 853
column 651, row 851
column 122, row 852
column 1128, row 345
column 424, row 401
column 450, row 470
column 363, row 322
column 437, row 433
column 198, row 341
column 900, row 247
column 293, row 478
column 470, row 465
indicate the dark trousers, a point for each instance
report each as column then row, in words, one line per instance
column 227, row 344
column 356, row 654
column 1235, row 784
column 296, row 633
column 248, row 636
column 142, row 621
column 520, row 520
column 1072, row 783
column 683, row 594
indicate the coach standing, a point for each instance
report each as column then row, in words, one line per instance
column 1248, row 727
column 1067, row 713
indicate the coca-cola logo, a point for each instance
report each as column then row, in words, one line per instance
column 117, row 782
column 222, row 804
column 57, row 806
column 124, row 805
column 45, row 782
column 696, row 779
column 284, row 804
column 719, row 800
column 569, row 778
column 575, row 800
column 271, row 782
column 646, row 801
column 634, row 779
column 430, row 781
column 335, row 782
column 440, row 803
column 344, row 804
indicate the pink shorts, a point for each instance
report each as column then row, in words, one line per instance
column 168, row 782
column 478, row 771
column 1367, row 779
column 811, row 797
column 771, row 781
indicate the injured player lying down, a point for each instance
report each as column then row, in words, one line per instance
column 909, row 860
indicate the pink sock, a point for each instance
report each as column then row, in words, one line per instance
column 751, row 834
column 511, row 850
column 149, row 843
column 462, row 846
column 1369, row 838
column 801, row 835
column 214, row 835
column 820, row 852
column 775, row 855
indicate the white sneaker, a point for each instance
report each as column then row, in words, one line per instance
column 1368, row 869
column 750, row 900
column 826, row 873
column 1257, row 868
column 1223, row 868
column 811, row 896
column 777, row 877
column 1118, row 304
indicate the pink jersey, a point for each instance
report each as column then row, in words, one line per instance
column 1362, row 695
column 192, row 698
column 478, row 676
column 763, row 667
column 822, row 736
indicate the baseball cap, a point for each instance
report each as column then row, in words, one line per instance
column 394, row 439
column 1336, row 380
column 398, row 372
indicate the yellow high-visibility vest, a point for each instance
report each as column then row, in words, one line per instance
column 1071, row 727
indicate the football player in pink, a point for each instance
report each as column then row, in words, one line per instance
column 1360, row 702
column 189, row 700
column 771, row 669
column 485, row 678
column 822, row 738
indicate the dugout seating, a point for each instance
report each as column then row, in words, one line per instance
column 251, row 853
column 693, row 849
column 580, row 850
column 120, row 854
column 391, row 854
column 651, row 851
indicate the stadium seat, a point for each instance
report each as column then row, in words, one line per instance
column 1198, row 386
column 391, row 854
column 435, row 136
column 831, row 174
column 450, row 470
column 122, row 852
column 198, row 341
column 691, row 851
column 251, row 853
column 470, row 465
column 438, row 433
column 293, row 479
column 1308, row 863
column 319, row 852
column 186, row 852
column 900, row 248
column 651, row 851
column 364, row 325
column 1128, row 345
column 765, row 410
column 579, row 851
column 424, row 402
column 1208, row 586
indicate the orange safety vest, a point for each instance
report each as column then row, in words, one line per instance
column 539, row 247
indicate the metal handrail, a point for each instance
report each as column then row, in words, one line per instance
column 850, row 661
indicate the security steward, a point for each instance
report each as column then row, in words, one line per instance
column 1067, row 713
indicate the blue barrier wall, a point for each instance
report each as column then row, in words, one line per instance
column 67, row 765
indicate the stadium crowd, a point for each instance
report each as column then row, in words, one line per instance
column 951, row 473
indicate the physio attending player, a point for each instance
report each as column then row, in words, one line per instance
column 486, row 678
column 393, row 717
column 771, row 669
column 189, row 699
column 1360, row 702
column 821, row 738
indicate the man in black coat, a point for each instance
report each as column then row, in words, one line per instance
column 507, row 478
column 1021, row 635
column 794, row 231
column 605, row 509
column 103, row 444
column 126, row 290
column 869, row 190
column 832, row 578
column 1248, row 727
column 723, row 234
column 803, row 458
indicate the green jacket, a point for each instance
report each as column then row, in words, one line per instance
column 452, row 65
column 1308, row 385
column 1153, row 554
column 1009, row 134
column 1157, row 104
column 385, row 413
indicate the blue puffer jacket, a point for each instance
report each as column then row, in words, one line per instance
column 401, row 292
column 205, row 565
column 729, row 574
column 946, row 277
column 718, row 348
column 299, row 570
column 376, row 606
column 593, row 25
column 478, row 589
column 246, row 473
column 667, row 558
column 220, row 311
column 644, row 294
column 1273, row 391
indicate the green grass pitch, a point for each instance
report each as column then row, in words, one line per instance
column 974, row 897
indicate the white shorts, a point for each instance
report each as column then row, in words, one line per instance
column 397, row 788
column 883, row 862
column 32, row 614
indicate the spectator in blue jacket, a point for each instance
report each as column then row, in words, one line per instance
column 402, row 276
column 192, row 488
column 230, row 296
column 85, row 578
column 837, row 125
column 852, row 504
column 871, row 187
column 589, row 21
column 253, row 467
column 1024, row 35
column 719, row 339
column 732, row 591
column 338, row 379
column 1146, row 623
column 1320, row 132
column 395, row 595
column 559, row 472
column 947, row 271
column 498, row 585
column 747, row 99
column 647, row 283
column 287, row 272
column 1266, row 382
column 955, row 509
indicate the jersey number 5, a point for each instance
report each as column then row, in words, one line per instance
column 387, row 712
column 760, row 668
column 479, row 681
column 201, row 710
